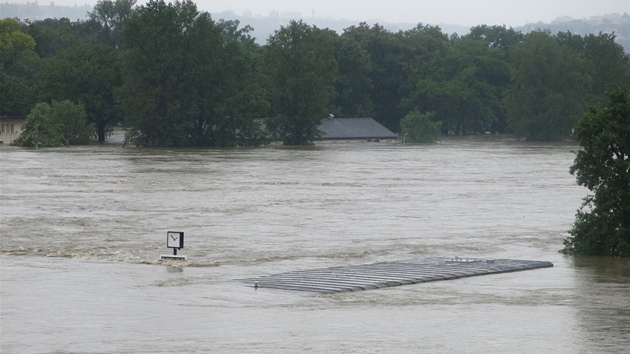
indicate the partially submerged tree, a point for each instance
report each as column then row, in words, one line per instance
column 188, row 81
column 602, row 225
column 417, row 127
column 550, row 85
column 72, row 118
column 89, row 75
column 300, row 63
column 60, row 124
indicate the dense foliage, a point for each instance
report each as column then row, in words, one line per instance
column 550, row 83
column 17, row 58
column 419, row 128
column 299, row 61
column 58, row 124
column 191, row 85
column 602, row 226
column 87, row 75
column 176, row 77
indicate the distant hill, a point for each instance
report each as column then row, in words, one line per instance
column 267, row 25
column 610, row 23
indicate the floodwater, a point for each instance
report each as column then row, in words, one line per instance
column 82, row 230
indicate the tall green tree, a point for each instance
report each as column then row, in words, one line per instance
column 422, row 58
column 399, row 60
column 14, row 43
column 89, row 75
column 550, row 84
column 15, row 95
column 610, row 64
column 186, row 82
column 465, row 91
column 386, row 75
column 226, row 90
column 108, row 17
column 18, row 64
column 53, row 35
column 354, row 84
column 299, row 60
column 602, row 225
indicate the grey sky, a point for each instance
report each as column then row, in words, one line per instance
column 461, row 12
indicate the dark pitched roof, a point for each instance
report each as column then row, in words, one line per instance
column 354, row 128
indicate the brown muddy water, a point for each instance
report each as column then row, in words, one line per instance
column 82, row 229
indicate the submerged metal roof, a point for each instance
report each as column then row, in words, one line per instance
column 354, row 128
column 388, row 274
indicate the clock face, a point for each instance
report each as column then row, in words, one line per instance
column 175, row 239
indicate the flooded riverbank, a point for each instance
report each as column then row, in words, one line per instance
column 83, row 227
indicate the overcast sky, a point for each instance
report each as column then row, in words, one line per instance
column 460, row 12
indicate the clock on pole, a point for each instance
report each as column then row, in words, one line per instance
column 174, row 240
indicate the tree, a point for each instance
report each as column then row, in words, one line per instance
column 232, row 31
column 40, row 130
column 417, row 127
column 89, row 75
column 496, row 36
column 386, row 74
column 14, row 95
column 62, row 123
column 465, row 90
column 108, row 17
column 550, row 84
column 72, row 119
column 354, row 84
column 610, row 63
column 14, row 43
column 602, row 225
column 17, row 68
column 398, row 61
column 187, row 80
column 53, row 35
column 300, row 63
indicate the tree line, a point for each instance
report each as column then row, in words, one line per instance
column 176, row 77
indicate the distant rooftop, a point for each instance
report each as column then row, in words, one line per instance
column 354, row 128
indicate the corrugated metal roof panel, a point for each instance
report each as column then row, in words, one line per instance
column 387, row 274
